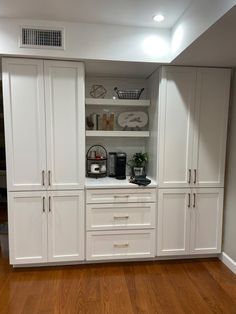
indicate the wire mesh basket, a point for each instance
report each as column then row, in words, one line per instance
column 128, row 94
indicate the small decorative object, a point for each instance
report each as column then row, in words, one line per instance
column 98, row 91
column 133, row 119
column 108, row 120
column 89, row 123
column 128, row 94
column 96, row 162
column 138, row 163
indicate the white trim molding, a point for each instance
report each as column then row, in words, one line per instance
column 228, row 261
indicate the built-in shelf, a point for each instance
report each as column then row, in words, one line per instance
column 117, row 133
column 117, row 102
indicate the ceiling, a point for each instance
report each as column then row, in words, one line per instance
column 119, row 12
column 216, row 47
column 119, row 68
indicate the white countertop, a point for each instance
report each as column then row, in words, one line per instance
column 113, row 183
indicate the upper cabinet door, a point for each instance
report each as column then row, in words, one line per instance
column 64, row 91
column 176, row 105
column 24, row 113
column 211, row 115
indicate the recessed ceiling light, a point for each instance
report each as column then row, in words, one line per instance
column 158, row 18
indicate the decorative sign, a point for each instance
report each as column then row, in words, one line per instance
column 98, row 91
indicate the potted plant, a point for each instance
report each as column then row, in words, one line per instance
column 138, row 163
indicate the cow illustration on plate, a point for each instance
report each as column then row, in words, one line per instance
column 133, row 120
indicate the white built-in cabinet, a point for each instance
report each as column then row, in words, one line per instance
column 44, row 124
column 192, row 133
column 46, row 226
column 193, row 113
column 189, row 221
column 45, row 149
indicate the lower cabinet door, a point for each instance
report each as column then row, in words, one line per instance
column 206, row 221
column 112, row 245
column 27, row 227
column 173, row 228
column 65, row 226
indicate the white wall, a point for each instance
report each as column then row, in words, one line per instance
column 195, row 21
column 92, row 41
column 229, row 234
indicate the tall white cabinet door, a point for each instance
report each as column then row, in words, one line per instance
column 176, row 104
column 174, row 206
column 212, row 101
column 65, row 226
column 24, row 112
column 27, row 227
column 65, row 104
column 206, row 221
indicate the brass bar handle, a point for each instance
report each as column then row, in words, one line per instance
column 189, row 175
column 121, row 245
column 121, row 196
column 120, row 217
column 189, row 200
column 43, row 178
column 49, row 177
column 49, row 204
column 195, row 176
column 194, row 200
column 43, row 204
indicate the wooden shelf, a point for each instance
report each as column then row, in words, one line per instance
column 117, row 133
column 117, row 102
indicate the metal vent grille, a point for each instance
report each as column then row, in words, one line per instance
column 42, row 38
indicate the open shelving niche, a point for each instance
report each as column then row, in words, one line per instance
column 118, row 140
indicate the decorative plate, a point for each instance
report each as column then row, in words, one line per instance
column 133, row 119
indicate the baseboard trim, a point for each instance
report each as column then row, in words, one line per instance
column 228, row 261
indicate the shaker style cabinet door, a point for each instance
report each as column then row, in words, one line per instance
column 206, row 221
column 64, row 97
column 176, row 105
column 27, row 227
column 210, row 134
column 65, row 226
column 24, row 113
column 173, row 229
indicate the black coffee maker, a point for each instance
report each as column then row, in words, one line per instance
column 121, row 166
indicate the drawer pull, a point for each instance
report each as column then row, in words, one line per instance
column 120, row 245
column 120, row 217
column 121, row 196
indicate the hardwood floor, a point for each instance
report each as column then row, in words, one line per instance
column 192, row 286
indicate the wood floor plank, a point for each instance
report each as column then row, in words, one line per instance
column 169, row 287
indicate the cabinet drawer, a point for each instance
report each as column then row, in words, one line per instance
column 121, row 195
column 120, row 216
column 111, row 245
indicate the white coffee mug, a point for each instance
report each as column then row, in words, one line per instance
column 95, row 168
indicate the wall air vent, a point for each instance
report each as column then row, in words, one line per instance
column 37, row 37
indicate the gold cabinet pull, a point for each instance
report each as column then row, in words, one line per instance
column 121, row 245
column 43, row 204
column 194, row 200
column 43, row 178
column 195, row 176
column 189, row 200
column 49, row 177
column 189, row 175
column 120, row 217
column 49, row 204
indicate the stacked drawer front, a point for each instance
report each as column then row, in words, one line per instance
column 120, row 223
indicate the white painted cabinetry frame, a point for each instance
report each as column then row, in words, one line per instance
column 193, row 112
